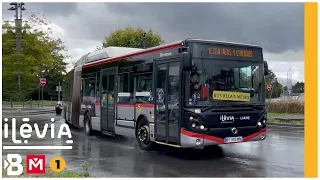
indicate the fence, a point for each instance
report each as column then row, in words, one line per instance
column 29, row 103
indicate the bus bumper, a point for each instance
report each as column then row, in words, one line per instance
column 194, row 140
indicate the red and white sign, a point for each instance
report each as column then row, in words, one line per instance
column 43, row 81
column 36, row 164
column 269, row 86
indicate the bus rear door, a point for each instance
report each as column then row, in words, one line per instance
column 108, row 99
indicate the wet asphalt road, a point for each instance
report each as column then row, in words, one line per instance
column 280, row 155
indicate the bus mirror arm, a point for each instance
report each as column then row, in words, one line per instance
column 186, row 60
column 266, row 70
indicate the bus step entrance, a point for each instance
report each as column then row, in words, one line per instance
column 109, row 133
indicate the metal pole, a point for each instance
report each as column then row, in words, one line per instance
column 42, row 95
column 18, row 46
column 18, row 27
column 144, row 40
column 59, row 92
column 270, row 95
column 39, row 98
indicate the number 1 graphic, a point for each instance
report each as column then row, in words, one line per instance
column 58, row 163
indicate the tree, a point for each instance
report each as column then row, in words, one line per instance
column 277, row 88
column 130, row 37
column 298, row 87
column 41, row 53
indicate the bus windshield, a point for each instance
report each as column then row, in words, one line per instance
column 213, row 80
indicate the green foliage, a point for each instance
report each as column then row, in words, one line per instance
column 287, row 106
column 277, row 88
column 130, row 37
column 85, row 168
column 41, row 56
column 298, row 87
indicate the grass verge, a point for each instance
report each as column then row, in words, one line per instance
column 31, row 103
column 272, row 116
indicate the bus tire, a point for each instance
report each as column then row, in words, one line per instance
column 87, row 124
column 143, row 135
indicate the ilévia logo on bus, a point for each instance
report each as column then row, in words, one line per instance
column 230, row 118
column 227, row 119
column 35, row 164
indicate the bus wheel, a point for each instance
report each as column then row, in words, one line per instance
column 87, row 124
column 143, row 135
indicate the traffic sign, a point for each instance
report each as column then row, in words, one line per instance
column 58, row 88
column 43, row 81
column 269, row 86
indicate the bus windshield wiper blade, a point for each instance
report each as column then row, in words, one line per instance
column 216, row 104
column 247, row 105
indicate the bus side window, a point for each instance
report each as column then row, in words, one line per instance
column 98, row 88
column 124, row 90
column 143, row 88
column 82, row 89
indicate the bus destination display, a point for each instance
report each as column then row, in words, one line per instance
column 227, row 52
column 230, row 52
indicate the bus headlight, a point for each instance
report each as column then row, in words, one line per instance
column 196, row 123
column 262, row 121
column 259, row 124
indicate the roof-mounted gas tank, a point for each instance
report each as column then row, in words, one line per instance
column 110, row 52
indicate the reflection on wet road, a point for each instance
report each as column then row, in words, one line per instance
column 281, row 155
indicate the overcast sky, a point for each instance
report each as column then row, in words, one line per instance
column 277, row 27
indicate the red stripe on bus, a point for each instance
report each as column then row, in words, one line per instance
column 145, row 105
column 217, row 139
column 255, row 134
column 136, row 105
column 191, row 134
column 131, row 55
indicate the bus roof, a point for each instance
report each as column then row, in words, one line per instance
column 136, row 53
column 221, row 42
column 130, row 52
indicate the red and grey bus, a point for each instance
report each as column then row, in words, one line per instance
column 191, row 94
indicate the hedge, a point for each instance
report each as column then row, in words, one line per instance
column 286, row 106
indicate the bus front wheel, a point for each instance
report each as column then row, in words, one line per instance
column 143, row 135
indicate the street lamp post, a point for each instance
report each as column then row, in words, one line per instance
column 289, row 81
column 18, row 8
column 144, row 40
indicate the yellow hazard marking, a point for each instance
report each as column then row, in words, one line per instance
column 231, row 96
column 57, row 164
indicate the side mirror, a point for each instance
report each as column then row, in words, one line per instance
column 186, row 61
column 266, row 69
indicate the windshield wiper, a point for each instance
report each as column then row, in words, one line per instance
column 223, row 104
column 216, row 104
column 255, row 105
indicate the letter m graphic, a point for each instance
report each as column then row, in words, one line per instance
column 36, row 164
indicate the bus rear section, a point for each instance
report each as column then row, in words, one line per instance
column 224, row 95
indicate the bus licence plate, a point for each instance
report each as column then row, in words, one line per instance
column 233, row 139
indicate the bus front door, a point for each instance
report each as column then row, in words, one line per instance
column 167, row 109
column 108, row 99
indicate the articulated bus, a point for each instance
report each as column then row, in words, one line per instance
column 190, row 94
